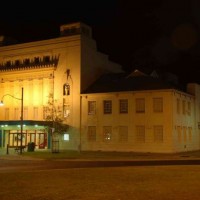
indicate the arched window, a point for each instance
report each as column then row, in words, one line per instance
column 66, row 89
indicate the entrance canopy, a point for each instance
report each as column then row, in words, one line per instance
column 25, row 122
column 33, row 123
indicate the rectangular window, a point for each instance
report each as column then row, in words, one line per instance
column 66, row 137
column 183, row 104
column 35, row 113
column 179, row 134
column 36, row 60
column 107, row 133
column 185, row 134
column 17, row 62
column 92, row 133
column 45, row 112
column 66, row 111
column 66, row 89
column 7, row 114
column 27, row 61
column 32, row 137
column 190, row 133
column 178, row 106
column 140, row 105
column 91, row 107
column 140, row 134
column 158, row 133
column 158, row 104
column 123, row 133
column 189, row 108
column 25, row 114
column 16, row 114
column 107, row 106
column 123, row 106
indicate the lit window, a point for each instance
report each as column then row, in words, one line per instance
column 66, row 137
column 107, row 133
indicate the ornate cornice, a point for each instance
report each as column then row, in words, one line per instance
column 30, row 63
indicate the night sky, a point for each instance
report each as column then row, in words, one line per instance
column 156, row 34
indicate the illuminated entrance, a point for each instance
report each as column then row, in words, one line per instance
column 33, row 131
column 38, row 137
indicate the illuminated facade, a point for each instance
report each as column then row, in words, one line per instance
column 52, row 74
column 140, row 114
column 60, row 78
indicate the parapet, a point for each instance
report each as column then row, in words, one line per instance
column 75, row 29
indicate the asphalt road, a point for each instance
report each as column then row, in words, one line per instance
column 8, row 165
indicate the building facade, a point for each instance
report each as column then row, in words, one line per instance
column 53, row 91
column 159, row 120
column 51, row 75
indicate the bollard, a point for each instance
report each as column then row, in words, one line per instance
column 7, row 152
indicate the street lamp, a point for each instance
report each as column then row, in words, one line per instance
column 21, row 119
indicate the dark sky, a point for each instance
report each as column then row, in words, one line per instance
column 160, row 34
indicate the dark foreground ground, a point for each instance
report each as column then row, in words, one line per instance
column 98, row 175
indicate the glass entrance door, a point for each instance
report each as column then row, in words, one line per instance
column 42, row 140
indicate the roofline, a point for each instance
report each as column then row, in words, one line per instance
column 140, row 91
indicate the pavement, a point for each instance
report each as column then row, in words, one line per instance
column 110, row 156
column 12, row 155
column 195, row 155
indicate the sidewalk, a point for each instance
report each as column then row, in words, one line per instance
column 100, row 156
column 12, row 155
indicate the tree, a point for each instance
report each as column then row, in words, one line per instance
column 53, row 113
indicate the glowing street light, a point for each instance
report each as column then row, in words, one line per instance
column 22, row 103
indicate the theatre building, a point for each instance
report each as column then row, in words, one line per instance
column 40, row 87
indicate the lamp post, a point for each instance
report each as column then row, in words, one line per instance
column 21, row 119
